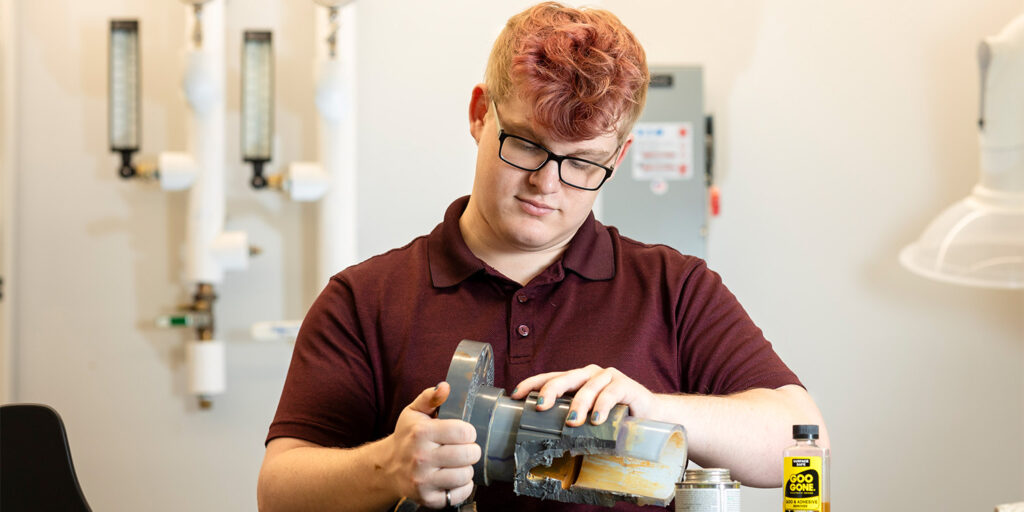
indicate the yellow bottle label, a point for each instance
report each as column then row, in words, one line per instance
column 802, row 484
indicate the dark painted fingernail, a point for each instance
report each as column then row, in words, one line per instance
column 594, row 417
column 514, row 391
column 540, row 400
column 572, row 416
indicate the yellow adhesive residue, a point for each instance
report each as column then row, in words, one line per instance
column 626, row 475
column 802, row 484
column 565, row 469
column 609, row 473
column 678, row 442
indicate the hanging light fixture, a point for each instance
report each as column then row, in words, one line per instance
column 979, row 241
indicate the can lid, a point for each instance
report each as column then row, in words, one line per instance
column 805, row 431
column 707, row 475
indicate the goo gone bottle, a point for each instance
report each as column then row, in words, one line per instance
column 804, row 473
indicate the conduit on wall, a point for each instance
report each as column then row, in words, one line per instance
column 335, row 102
column 209, row 250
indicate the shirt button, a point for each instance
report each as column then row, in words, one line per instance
column 522, row 298
column 523, row 330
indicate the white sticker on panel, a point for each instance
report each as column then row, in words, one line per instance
column 663, row 151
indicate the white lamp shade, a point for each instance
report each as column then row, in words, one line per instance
column 978, row 241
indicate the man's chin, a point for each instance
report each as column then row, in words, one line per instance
column 533, row 241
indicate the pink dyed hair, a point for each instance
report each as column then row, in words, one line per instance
column 582, row 71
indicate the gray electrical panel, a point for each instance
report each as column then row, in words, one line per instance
column 659, row 194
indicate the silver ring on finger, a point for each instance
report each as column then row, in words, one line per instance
column 448, row 498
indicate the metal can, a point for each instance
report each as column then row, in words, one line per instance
column 708, row 490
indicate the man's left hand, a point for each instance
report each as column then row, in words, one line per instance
column 597, row 391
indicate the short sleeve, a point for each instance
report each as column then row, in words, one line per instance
column 328, row 396
column 722, row 350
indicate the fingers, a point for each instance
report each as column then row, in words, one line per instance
column 431, row 433
column 618, row 391
column 430, row 399
column 568, row 381
column 451, row 478
column 450, row 455
column 525, row 387
column 430, row 455
column 447, row 467
column 555, row 384
column 597, row 391
column 436, row 498
column 462, row 493
column 592, row 398
column 454, row 432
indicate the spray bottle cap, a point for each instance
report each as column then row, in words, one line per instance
column 805, row 431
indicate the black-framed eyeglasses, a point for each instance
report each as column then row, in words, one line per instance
column 530, row 156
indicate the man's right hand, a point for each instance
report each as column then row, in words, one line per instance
column 429, row 456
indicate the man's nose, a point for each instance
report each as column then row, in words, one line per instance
column 546, row 178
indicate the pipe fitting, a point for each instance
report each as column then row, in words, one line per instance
column 623, row 459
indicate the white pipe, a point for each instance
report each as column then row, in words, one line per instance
column 335, row 98
column 335, row 101
column 209, row 251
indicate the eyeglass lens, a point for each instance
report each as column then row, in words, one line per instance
column 529, row 156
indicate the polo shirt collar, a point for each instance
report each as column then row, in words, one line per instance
column 449, row 257
column 590, row 252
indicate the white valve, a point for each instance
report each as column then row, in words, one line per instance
column 177, row 171
column 231, row 250
column 306, row 181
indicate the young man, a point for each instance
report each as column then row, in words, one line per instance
column 567, row 304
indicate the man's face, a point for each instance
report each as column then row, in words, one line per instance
column 524, row 210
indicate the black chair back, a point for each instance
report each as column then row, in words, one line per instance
column 36, row 472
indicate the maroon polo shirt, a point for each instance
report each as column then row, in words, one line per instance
column 384, row 330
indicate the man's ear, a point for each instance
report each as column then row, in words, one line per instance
column 622, row 154
column 479, row 103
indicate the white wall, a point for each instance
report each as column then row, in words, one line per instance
column 7, row 180
column 843, row 127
